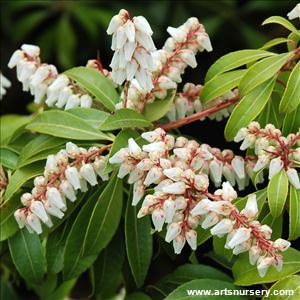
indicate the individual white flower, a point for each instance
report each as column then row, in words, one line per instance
column 173, row 231
column 223, row 227
column 293, row 177
column 38, row 208
column 241, row 235
column 20, row 217
column 254, row 252
column 178, row 244
column 191, row 238
column 176, row 188
column 68, row 190
column 238, row 165
column 169, row 207
column 88, row 173
column 251, row 209
column 281, row 244
column 294, row 13
column 202, row 207
column 53, row 210
column 34, row 222
column 263, row 265
column 276, row 165
column 54, row 197
column 72, row 176
column 158, row 218
column 4, row 84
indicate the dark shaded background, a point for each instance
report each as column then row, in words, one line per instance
column 71, row 32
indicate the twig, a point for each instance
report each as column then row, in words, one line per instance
column 199, row 115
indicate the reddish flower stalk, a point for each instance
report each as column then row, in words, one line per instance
column 199, row 115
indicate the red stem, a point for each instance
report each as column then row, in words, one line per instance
column 199, row 115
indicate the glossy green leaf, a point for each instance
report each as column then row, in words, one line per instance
column 20, row 176
column 63, row 291
column 281, row 21
column 74, row 262
column 37, row 145
column 137, row 296
column 8, row 158
column 159, row 108
column 275, row 224
column 294, row 213
column 107, row 268
column 204, row 289
column 8, row 223
column 183, row 274
column 234, row 60
column 28, row 255
column 221, row 84
column 277, row 193
column 94, row 117
column 246, row 274
column 93, row 229
column 289, row 287
column 219, row 249
column 125, row 118
column 274, row 42
column 291, row 122
column 138, row 242
column 10, row 126
column 262, row 71
column 291, row 96
column 97, row 84
column 66, row 41
column 63, row 124
column 270, row 114
column 248, row 108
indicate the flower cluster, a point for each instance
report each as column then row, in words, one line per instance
column 274, row 151
column 4, row 84
column 189, row 101
column 133, row 46
column 294, row 13
column 66, row 173
column 169, row 63
column 44, row 82
column 178, row 170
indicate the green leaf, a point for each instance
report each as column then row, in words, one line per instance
column 277, row 192
column 66, row 41
column 137, row 296
column 291, row 122
column 28, row 255
column 94, row 117
column 37, row 145
column 6, row 290
column 8, row 158
column 234, row 60
column 219, row 248
column 63, row 291
column 125, row 118
column 186, row 273
column 291, row 286
column 93, row 229
column 294, row 225
column 107, row 268
column 20, row 176
column 63, row 124
column 11, row 125
column 159, row 108
column 138, row 242
column 204, row 289
column 275, row 224
column 274, row 42
column 8, row 223
column 246, row 274
column 291, row 98
column 270, row 114
column 74, row 262
column 202, row 235
column 281, row 21
column 221, row 84
column 262, row 71
column 248, row 108
column 97, row 84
